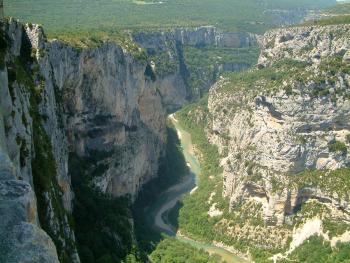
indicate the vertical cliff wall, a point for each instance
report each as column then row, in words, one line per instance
column 113, row 113
column 37, row 150
column 1, row 9
column 99, row 104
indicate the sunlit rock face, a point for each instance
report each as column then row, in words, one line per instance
column 269, row 134
column 21, row 238
column 114, row 114
column 112, row 110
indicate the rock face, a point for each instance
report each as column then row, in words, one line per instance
column 169, row 46
column 22, row 239
column 309, row 44
column 268, row 137
column 97, row 103
column 199, row 36
column 114, row 114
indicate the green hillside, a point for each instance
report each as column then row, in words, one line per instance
column 335, row 15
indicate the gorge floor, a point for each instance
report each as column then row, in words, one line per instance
column 159, row 211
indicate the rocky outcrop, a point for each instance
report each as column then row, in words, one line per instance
column 309, row 44
column 272, row 137
column 22, row 239
column 98, row 103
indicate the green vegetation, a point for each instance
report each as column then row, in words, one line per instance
column 312, row 209
column 336, row 20
column 82, row 38
column 287, row 74
column 102, row 224
column 330, row 70
column 205, row 64
column 270, row 79
column 335, row 228
column 332, row 182
column 172, row 251
column 335, row 15
column 340, row 8
column 338, row 147
column 315, row 250
column 165, row 65
column 232, row 15
column 192, row 215
column 193, row 219
column 335, row 65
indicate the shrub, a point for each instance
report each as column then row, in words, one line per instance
column 338, row 147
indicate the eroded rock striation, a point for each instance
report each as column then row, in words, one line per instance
column 273, row 134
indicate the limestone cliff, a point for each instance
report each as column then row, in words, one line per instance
column 97, row 103
column 114, row 115
column 37, row 155
column 21, row 236
column 283, row 131
column 167, row 50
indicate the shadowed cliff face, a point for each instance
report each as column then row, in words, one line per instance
column 113, row 114
column 115, row 117
column 96, row 103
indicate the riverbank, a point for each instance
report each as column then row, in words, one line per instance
column 170, row 197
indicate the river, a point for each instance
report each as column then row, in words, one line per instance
column 169, row 198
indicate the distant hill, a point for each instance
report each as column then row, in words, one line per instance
column 233, row 15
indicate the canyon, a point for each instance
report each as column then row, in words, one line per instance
column 96, row 117
column 100, row 106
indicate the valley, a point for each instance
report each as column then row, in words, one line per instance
column 169, row 199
